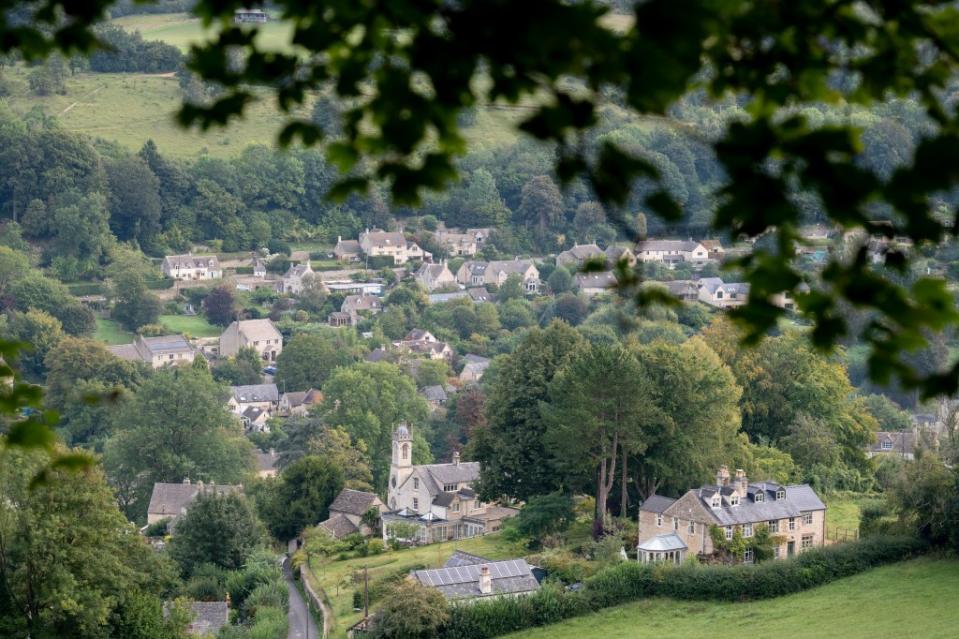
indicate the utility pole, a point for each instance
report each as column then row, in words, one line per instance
column 366, row 594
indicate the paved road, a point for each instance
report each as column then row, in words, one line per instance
column 299, row 617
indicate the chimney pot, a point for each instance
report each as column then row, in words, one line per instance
column 485, row 581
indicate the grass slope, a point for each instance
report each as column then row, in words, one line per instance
column 336, row 577
column 111, row 332
column 194, row 325
column 910, row 599
column 181, row 30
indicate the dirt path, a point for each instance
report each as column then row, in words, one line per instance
column 73, row 104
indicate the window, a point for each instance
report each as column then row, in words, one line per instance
column 675, row 524
column 729, row 532
column 659, row 520
column 747, row 530
column 456, row 507
column 792, row 523
column 170, row 356
column 416, row 483
column 776, row 552
column 416, row 504
column 774, row 526
column 716, row 501
column 780, row 494
column 719, row 295
column 758, row 497
column 692, row 528
column 450, row 488
column 405, row 451
column 807, row 519
column 806, row 541
column 748, row 556
column 734, row 500
column 887, row 445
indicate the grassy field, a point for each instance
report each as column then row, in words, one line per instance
column 910, row 599
column 181, row 30
column 194, row 325
column 336, row 578
column 843, row 509
column 111, row 332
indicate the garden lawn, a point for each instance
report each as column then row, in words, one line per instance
column 192, row 325
column 908, row 599
column 111, row 332
column 843, row 510
column 336, row 577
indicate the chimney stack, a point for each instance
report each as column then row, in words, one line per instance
column 742, row 482
column 456, row 458
column 485, row 582
column 722, row 476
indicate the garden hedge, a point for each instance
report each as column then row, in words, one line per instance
column 631, row 581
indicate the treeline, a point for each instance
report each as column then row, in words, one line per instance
column 128, row 52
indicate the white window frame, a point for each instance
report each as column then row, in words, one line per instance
column 747, row 530
column 780, row 494
column 759, row 497
column 717, row 501
column 416, row 504
column 792, row 523
column 777, row 552
column 456, row 507
column 748, row 557
column 729, row 532
column 807, row 541
column 887, row 445
column 659, row 520
column 773, row 525
column 807, row 519
column 691, row 529
column 734, row 500
column 675, row 523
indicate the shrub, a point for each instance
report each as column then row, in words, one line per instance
column 157, row 528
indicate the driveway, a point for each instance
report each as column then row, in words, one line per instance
column 301, row 623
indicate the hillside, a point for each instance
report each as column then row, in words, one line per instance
column 907, row 599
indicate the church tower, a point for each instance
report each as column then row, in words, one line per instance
column 401, row 464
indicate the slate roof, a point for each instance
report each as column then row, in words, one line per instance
column 440, row 298
column 192, row 261
column 507, row 577
column 347, row 247
column 255, row 393
column 663, row 543
column 252, row 413
column 657, row 504
column 443, row 499
column 125, row 351
column 164, row 344
column 903, row 443
column 711, row 284
column 339, row 526
column 605, row 279
column 472, row 358
column 579, row 253
column 667, row 245
column 169, row 500
column 418, row 334
column 360, row 303
column 353, row 502
column 800, row 498
column 480, row 294
column 257, row 329
column 460, row 558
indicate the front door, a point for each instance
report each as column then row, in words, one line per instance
column 790, row 548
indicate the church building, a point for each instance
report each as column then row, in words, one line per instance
column 439, row 499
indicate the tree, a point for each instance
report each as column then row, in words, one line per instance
column 541, row 206
column 599, row 404
column 217, row 529
column 133, row 303
column 410, row 611
column 41, row 331
column 135, row 206
column 312, row 297
column 434, row 372
column 176, row 427
column 511, row 289
column 560, row 280
column 72, row 566
column 308, row 436
column 368, row 400
column 301, row 496
column 218, row 306
column 889, row 416
column 517, row 461
column 309, row 359
column 570, row 308
column 44, row 294
column 240, row 370
column 13, row 266
column 544, row 515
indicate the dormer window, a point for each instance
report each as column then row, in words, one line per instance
column 716, row 501
column 734, row 500
column 416, row 483
column 758, row 497
column 780, row 494
column 887, row 445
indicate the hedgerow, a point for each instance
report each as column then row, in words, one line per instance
column 631, row 581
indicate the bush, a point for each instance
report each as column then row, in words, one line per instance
column 160, row 284
column 279, row 246
column 244, row 270
column 630, row 581
column 157, row 528
column 86, row 288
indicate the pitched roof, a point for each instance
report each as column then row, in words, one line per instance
column 460, row 558
column 339, row 526
column 605, row 279
column 512, row 576
column 435, row 393
column 519, row 267
column 657, row 504
column 353, row 502
column 580, row 252
column 799, row 498
column 125, row 351
column 164, row 344
column 192, row 261
column 169, row 500
column 257, row 329
column 360, row 303
column 255, row 393
column 347, row 247
column 896, row 442
column 209, row 617
column 380, row 238
column 667, row 245
column 453, row 473
column 480, row 294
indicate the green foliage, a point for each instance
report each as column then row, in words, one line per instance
column 219, row 306
column 411, row 611
column 34, row 291
column 543, row 515
column 300, row 496
column 221, row 530
column 309, row 359
column 41, row 331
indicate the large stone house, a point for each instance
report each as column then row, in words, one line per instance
column 573, row 258
column 437, row 499
column 348, row 510
column 466, row 577
column 474, row 368
column 473, row 273
column 263, row 396
column 672, row 251
column 424, row 344
column 158, row 352
column 592, row 284
column 169, row 501
column 379, row 243
column 671, row 529
column 192, row 267
column 347, row 250
column 259, row 334
column 356, row 305
column 893, row 443
column 717, row 293
column 435, row 276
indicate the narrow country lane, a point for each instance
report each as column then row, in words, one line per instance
column 301, row 623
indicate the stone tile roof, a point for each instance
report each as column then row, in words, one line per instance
column 799, row 499
column 902, row 443
column 579, row 253
column 125, row 351
column 192, row 261
column 255, row 393
column 657, row 504
column 480, row 294
column 463, row 472
column 604, row 279
column 460, row 558
column 164, row 344
column 508, row 577
column 353, row 502
column 258, row 329
column 435, row 394
column 339, row 526
column 667, row 245
column 170, row 500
